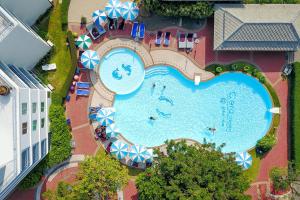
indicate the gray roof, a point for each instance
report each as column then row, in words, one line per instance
column 256, row 27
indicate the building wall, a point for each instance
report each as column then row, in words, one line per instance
column 26, row 10
column 22, row 48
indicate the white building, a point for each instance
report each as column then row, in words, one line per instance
column 24, row 125
column 19, row 44
column 26, row 10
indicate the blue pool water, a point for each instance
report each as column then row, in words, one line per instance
column 122, row 71
column 235, row 104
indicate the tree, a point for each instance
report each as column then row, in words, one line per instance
column 99, row 177
column 193, row 172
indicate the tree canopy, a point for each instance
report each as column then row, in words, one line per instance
column 193, row 172
column 194, row 10
column 99, row 177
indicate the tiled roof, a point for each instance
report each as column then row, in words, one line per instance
column 253, row 27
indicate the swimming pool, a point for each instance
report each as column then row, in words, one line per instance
column 234, row 104
column 122, row 70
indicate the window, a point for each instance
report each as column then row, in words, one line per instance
column 42, row 122
column 44, row 147
column 35, row 152
column 34, row 123
column 25, row 158
column 33, row 107
column 24, row 108
column 42, row 106
column 24, row 128
column 48, row 94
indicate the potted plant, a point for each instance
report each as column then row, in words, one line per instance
column 4, row 90
column 281, row 181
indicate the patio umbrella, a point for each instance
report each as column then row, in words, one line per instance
column 112, row 131
column 119, row 149
column 99, row 17
column 90, row 59
column 138, row 153
column 149, row 155
column 105, row 116
column 129, row 10
column 83, row 42
column 244, row 159
column 113, row 9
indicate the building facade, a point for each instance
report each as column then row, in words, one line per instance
column 19, row 44
column 24, row 105
column 27, row 10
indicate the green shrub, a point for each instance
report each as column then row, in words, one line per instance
column 262, row 79
column 64, row 13
column 219, row 69
column 234, row 67
column 254, row 72
column 247, row 68
column 60, row 146
column 280, row 179
column 265, row 144
column 83, row 20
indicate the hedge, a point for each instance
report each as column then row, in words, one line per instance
column 64, row 13
column 294, row 98
column 60, row 146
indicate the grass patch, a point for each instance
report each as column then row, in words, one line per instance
column 60, row 54
column 294, row 98
column 133, row 172
column 253, row 171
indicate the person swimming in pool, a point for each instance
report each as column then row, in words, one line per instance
column 153, row 85
column 152, row 118
column 212, row 129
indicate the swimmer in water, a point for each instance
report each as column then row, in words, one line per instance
column 153, row 85
column 152, row 118
column 212, row 129
column 164, row 87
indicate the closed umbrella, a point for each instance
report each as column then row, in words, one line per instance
column 90, row 59
column 129, row 10
column 119, row 149
column 113, row 9
column 83, row 42
column 105, row 117
column 99, row 17
column 138, row 153
column 112, row 131
column 244, row 159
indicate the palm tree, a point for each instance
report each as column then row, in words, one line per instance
column 4, row 90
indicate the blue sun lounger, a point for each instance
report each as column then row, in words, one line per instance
column 84, row 85
column 142, row 31
column 80, row 92
column 93, row 116
column 134, row 30
column 158, row 38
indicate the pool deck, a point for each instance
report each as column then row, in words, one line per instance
column 202, row 55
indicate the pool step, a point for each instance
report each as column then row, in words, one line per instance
column 156, row 71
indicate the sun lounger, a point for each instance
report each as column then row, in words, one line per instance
column 159, row 35
column 190, row 41
column 49, row 67
column 142, row 31
column 80, row 92
column 84, row 85
column 93, row 116
column 134, row 30
column 167, row 39
column 182, row 41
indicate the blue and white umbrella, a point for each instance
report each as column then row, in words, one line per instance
column 244, row 159
column 99, row 17
column 90, row 59
column 105, row 116
column 129, row 10
column 119, row 149
column 113, row 9
column 112, row 131
column 149, row 155
column 138, row 153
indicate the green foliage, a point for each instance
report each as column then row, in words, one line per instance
column 294, row 98
column 193, row 172
column 64, row 13
column 60, row 146
column 99, row 177
column 194, row 10
column 247, row 69
column 279, row 177
column 219, row 69
column 265, row 144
